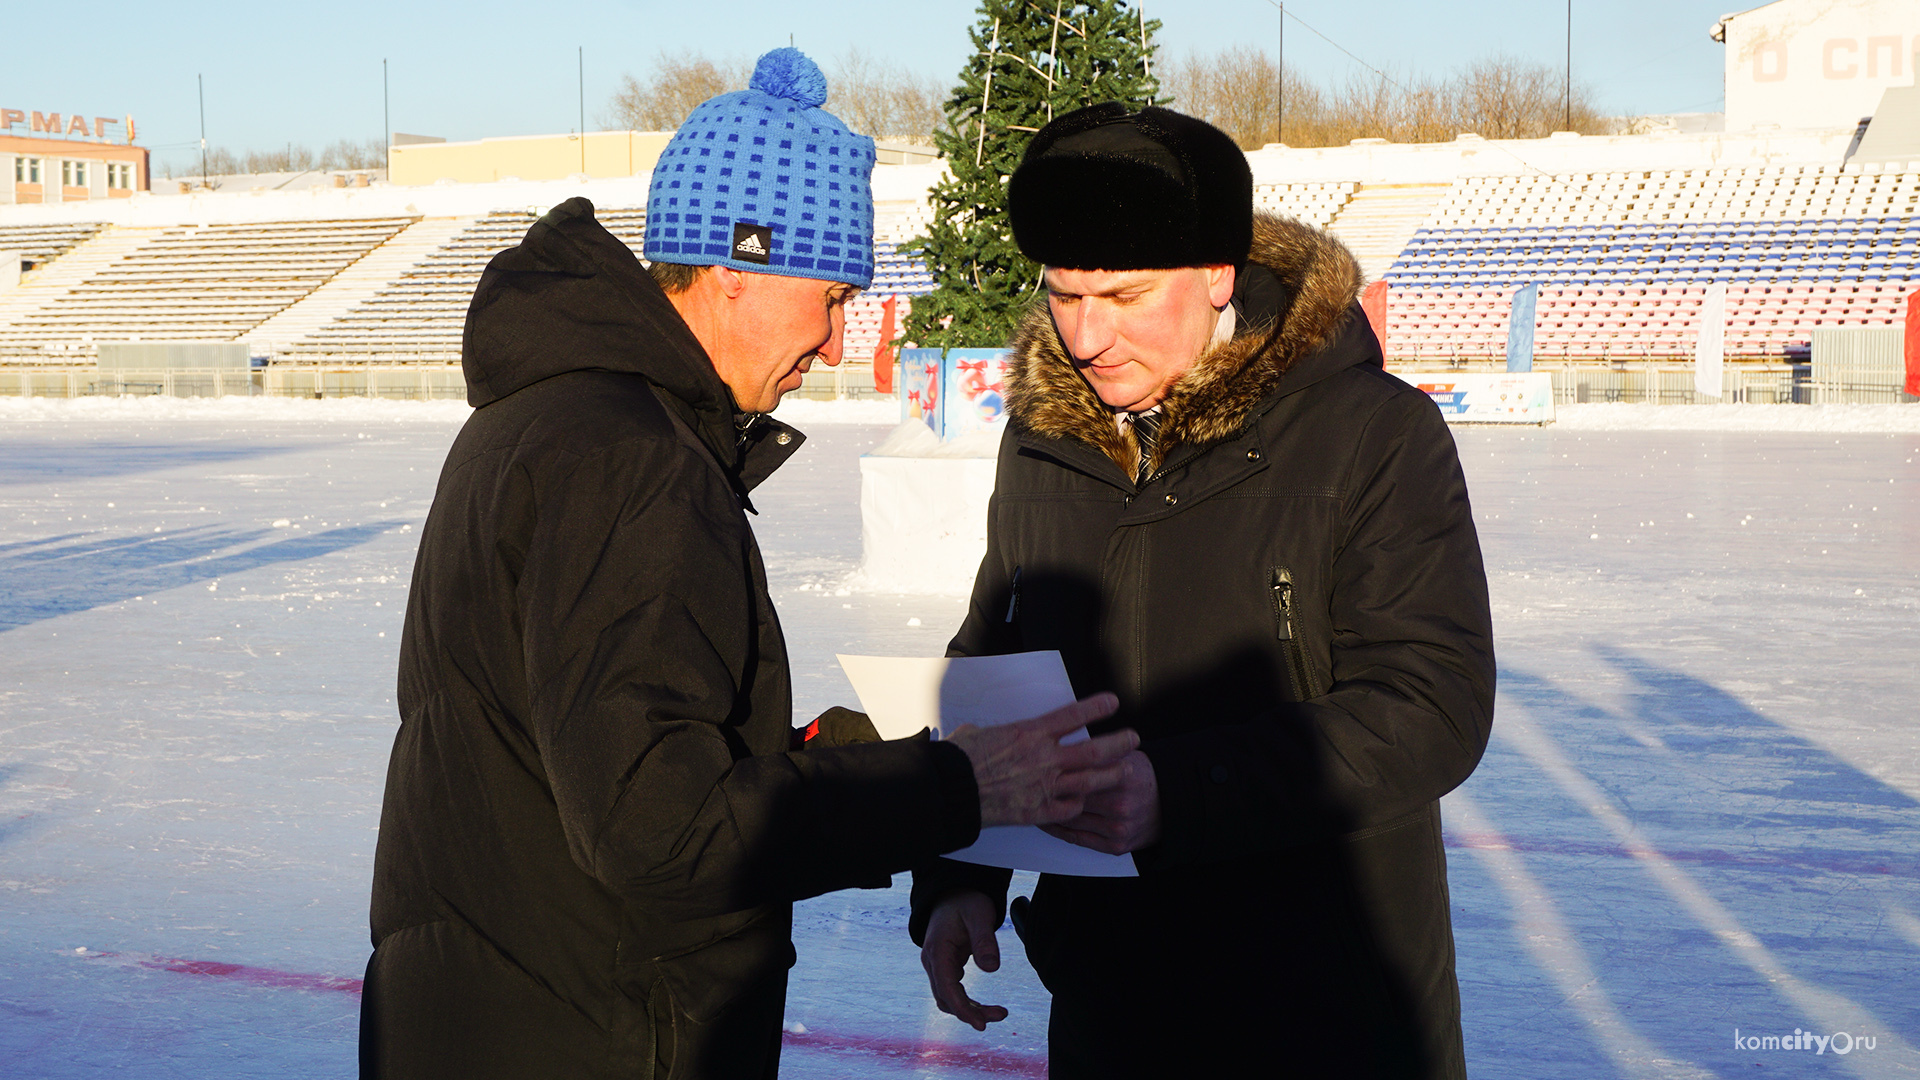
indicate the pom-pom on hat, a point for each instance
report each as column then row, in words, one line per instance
column 1104, row 188
column 764, row 180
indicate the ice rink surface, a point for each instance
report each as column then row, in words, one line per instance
column 1700, row 811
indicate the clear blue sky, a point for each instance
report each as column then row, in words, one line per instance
column 310, row 73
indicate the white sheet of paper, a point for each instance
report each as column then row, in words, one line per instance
column 903, row 694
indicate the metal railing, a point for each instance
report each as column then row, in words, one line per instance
column 1860, row 364
column 410, row 382
column 1833, row 382
column 1650, row 383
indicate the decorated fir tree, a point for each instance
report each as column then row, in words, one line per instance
column 1032, row 59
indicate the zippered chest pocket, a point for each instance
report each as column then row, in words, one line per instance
column 1287, row 626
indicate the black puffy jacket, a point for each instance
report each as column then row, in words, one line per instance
column 593, row 828
column 1293, row 611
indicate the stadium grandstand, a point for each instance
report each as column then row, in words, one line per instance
column 1622, row 256
column 1807, row 229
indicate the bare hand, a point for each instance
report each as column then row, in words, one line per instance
column 1125, row 817
column 1026, row 777
column 961, row 926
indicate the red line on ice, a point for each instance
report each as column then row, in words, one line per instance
column 916, row 1052
column 906, row 1051
column 256, row 976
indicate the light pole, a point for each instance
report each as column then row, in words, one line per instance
column 386, row 117
column 1569, row 91
column 1280, row 78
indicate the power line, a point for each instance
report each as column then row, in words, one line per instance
column 1290, row 15
column 1285, row 14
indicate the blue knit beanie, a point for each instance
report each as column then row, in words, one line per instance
column 764, row 180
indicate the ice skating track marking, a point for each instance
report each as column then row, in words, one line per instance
column 240, row 973
column 906, row 1052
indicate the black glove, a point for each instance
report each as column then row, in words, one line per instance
column 839, row 727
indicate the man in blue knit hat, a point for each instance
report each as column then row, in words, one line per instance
column 596, row 816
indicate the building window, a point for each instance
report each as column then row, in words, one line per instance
column 119, row 176
column 73, row 173
column 26, row 170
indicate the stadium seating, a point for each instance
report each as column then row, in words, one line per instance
column 37, row 244
column 1758, row 225
column 1623, row 260
column 420, row 315
column 1632, row 323
column 1315, row 204
column 894, row 274
column 204, row 282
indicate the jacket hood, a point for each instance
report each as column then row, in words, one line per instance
column 572, row 297
column 1299, row 322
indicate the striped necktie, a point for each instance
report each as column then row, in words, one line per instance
column 1146, row 431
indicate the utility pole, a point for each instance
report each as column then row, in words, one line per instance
column 386, row 117
column 203, row 129
column 1569, row 91
column 583, row 109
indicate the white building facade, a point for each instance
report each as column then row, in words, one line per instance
column 1817, row 63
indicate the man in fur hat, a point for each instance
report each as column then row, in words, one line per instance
column 1216, row 504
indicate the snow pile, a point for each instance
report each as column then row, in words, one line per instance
column 913, row 439
column 802, row 412
column 1810, row 418
column 923, row 511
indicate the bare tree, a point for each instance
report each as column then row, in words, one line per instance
column 677, row 83
column 220, row 162
column 884, row 100
column 289, row 158
column 347, row 154
column 872, row 96
column 1498, row 97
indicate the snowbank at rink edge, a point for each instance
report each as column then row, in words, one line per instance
column 803, row 412
column 799, row 412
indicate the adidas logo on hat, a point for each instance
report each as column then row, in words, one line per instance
column 752, row 243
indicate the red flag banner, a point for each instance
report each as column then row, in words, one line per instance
column 883, row 352
column 1373, row 301
column 1913, row 343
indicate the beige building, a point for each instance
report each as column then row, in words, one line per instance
column 68, row 170
column 1816, row 63
column 530, row 157
column 421, row 160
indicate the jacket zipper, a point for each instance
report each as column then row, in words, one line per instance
column 1013, row 602
column 1280, row 587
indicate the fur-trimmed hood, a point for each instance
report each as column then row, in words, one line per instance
column 1318, row 285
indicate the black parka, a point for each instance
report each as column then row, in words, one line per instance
column 1293, row 611
column 594, row 828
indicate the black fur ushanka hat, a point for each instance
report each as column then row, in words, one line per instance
column 1102, row 188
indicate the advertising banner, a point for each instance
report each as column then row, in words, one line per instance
column 919, row 387
column 1520, row 328
column 953, row 391
column 1525, row 398
column 974, row 382
column 1710, row 347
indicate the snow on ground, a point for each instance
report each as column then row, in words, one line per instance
column 1831, row 418
column 1700, row 811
